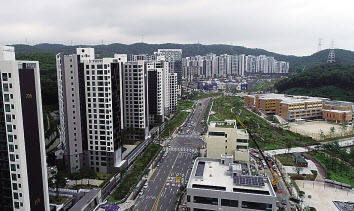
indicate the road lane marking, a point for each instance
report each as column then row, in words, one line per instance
column 155, row 206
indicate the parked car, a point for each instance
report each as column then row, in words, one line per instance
column 283, row 201
column 141, row 192
column 145, row 186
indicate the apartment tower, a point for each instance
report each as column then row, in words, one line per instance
column 23, row 174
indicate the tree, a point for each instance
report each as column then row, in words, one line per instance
column 297, row 169
column 332, row 131
column 60, row 182
column 288, row 146
column 322, row 134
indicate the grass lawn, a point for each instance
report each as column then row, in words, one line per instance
column 133, row 176
column 335, row 168
column 185, row 104
column 286, row 159
column 267, row 136
column 175, row 122
column 62, row 200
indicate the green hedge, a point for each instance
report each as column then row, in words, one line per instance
column 133, row 176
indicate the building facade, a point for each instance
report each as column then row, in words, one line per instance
column 220, row 184
column 23, row 177
column 223, row 137
column 90, row 98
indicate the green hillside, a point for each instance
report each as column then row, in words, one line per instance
column 297, row 64
column 335, row 81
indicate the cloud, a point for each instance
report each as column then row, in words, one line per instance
column 282, row 26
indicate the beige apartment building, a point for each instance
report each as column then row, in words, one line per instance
column 223, row 137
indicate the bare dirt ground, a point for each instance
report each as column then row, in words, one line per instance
column 313, row 129
column 322, row 197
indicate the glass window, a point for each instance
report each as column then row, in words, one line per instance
column 14, row 186
column 14, row 177
column 13, row 167
column 6, row 97
column 242, row 147
column 6, row 87
column 11, row 147
column 4, row 76
column 256, row 205
column 205, row 200
column 7, row 108
column 15, row 195
column 8, row 118
column 9, row 128
column 12, row 157
column 229, row 203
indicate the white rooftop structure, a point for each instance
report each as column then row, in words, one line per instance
column 7, row 53
column 220, row 183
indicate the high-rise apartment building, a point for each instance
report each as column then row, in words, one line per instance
column 174, row 57
column 23, row 174
column 135, row 99
column 90, row 103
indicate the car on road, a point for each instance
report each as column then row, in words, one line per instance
column 141, row 192
column 283, row 201
column 145, row 186
column 158, row 165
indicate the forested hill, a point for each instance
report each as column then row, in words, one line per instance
column 297, row 64
column 334, row 81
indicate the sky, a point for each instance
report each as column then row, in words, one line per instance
column 291, row 27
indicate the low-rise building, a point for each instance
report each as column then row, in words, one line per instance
column 338, row 111
column 220, row 184
column 223, row 137
column 299, row 159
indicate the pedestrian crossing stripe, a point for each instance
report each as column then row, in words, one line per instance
column 181, row 149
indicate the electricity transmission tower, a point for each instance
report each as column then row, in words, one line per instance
column 331, row 55
column 319, row 45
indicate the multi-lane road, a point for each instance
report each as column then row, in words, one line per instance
column 182, row 147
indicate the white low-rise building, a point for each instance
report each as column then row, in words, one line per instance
column 220, row 184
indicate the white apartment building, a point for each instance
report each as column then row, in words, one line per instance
column 23, row 165
column 89, row 101
column 220, row 184
column 223, row 137
column 135, row 98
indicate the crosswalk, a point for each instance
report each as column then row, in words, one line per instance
column 190, row 136
column 183, row 149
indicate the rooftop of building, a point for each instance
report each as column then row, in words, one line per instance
column 287, row 99
column 211, row 174
column 337, row 103
column 228, row 123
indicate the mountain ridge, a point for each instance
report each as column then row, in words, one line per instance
column 297, row 63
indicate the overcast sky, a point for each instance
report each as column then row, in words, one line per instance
column 282, row 26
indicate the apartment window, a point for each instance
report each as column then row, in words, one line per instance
column 242, row 147
column 13, row 177
column 14, row 186
column 12, row 157
column 256, row 205
column 11, row 148
column 7, row 108
column 229, row 203
column 13, row 167
column 6, row 97
column 15, row 195
column 10, row 138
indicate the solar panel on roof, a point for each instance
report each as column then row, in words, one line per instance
column 248, row 180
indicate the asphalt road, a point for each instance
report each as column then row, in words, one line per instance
column 163, row 186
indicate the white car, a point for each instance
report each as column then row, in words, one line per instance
column 141, row 192
column 145, row 186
